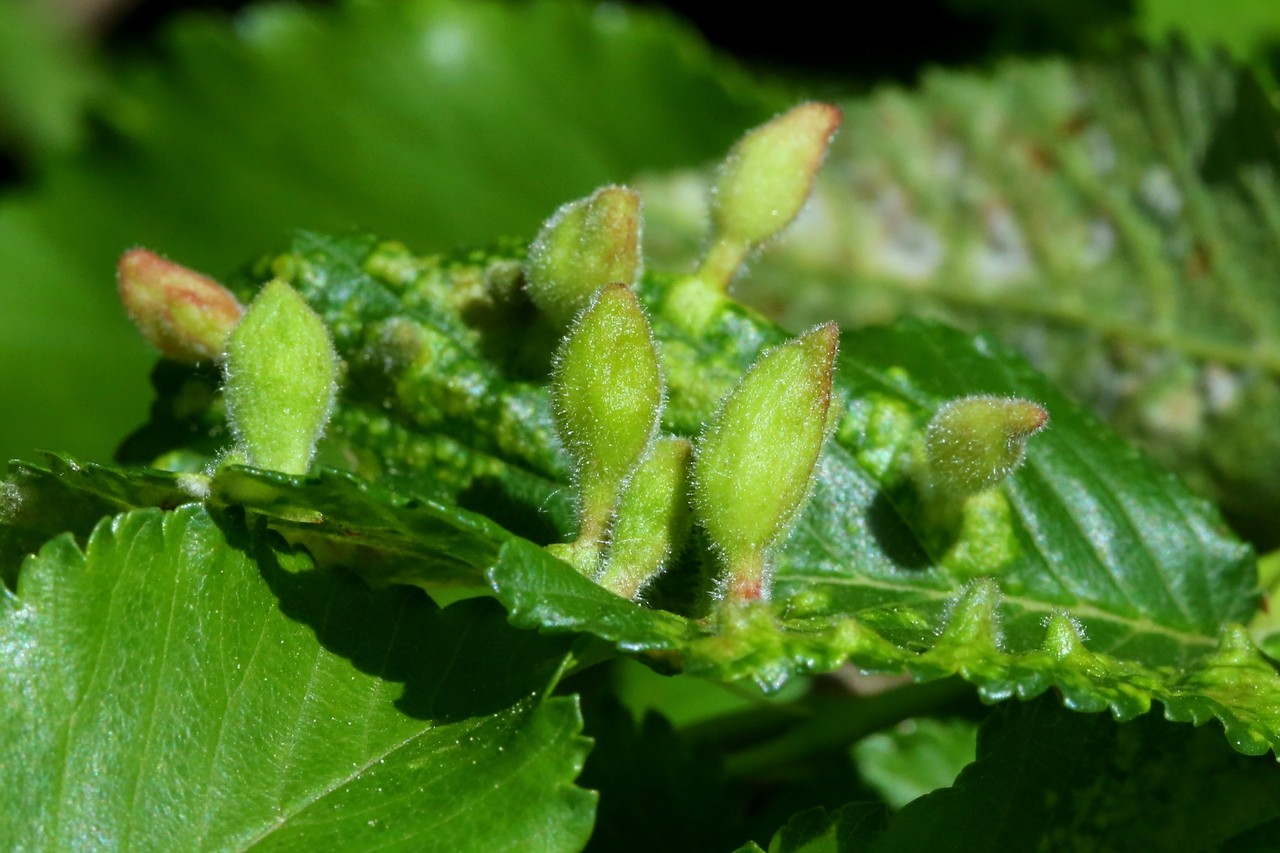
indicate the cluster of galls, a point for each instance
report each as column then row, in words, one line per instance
column 639, row 492
column 747, row 476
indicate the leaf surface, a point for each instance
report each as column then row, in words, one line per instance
column 917, row 757
column 841, row 830
column 185, row 683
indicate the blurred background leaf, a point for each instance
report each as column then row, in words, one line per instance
column 47, row 75
column 1245, row 28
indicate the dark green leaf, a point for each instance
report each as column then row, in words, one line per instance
column 68, row 496
column 1051, row 779
column 543, row 592
column 390, row 538
column 848, row 829
column 1090, row 570
column 339, row 518
column 657, row 791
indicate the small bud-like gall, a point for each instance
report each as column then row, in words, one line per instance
column 281, row 378
column 607, row 395
column 587, row 244
column 975, row 442
column 185, row 315
column 653, row 519
column 763, row 184
column 756, row 460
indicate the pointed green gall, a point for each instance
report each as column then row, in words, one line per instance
column 587, row 244
column 764, row 183
column 756, row 461
column 975, row 442
column 281, row 374
column 653, row 519
column 185, row 315
column 607, row 393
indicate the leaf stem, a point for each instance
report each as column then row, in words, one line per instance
column 722, row 262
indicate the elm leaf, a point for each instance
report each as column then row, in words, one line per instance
column 1089, row 570
column 186, row 682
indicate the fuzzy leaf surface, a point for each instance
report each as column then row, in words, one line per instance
column 186, row 683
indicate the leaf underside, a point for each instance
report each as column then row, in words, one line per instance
column 1047, row 779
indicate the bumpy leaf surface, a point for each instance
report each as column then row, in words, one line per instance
column 1091, row 570
column 186, row 683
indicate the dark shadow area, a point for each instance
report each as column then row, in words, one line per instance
column 514, row 335
column 457, row 663
column 542, row 517
column 893, row 521
column 687, row 587
column 658, row 791
column 816, row 39
column 661, row 789
column 182, row 416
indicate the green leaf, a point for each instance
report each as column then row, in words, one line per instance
column 46, row 76
column 1092, row 570
column 918, row 756
column 186, row 683
column 1089, row 570
column 1046, row 778
column 346, row 521
column 1115, row 221
column 1244, row 27
column 440, row 121
column 543, row 592
column 37, row 503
